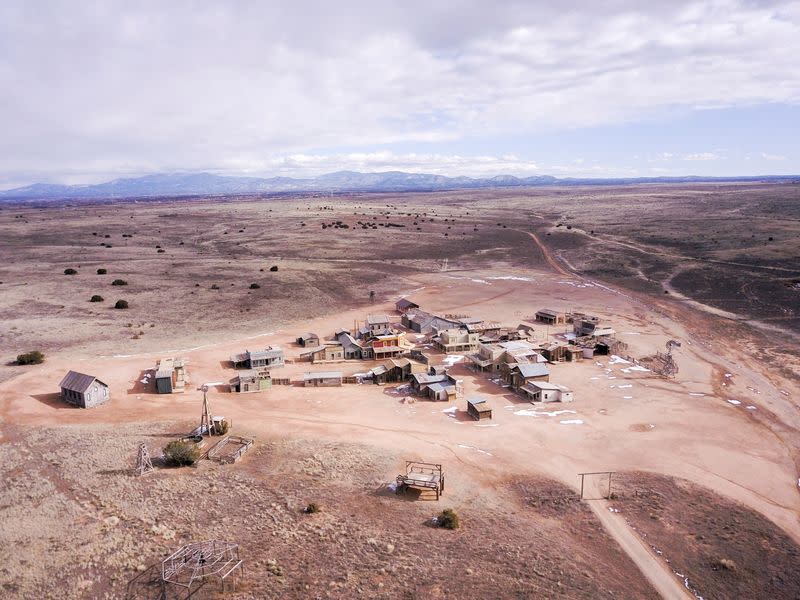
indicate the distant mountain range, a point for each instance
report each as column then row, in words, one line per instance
column 206, row 184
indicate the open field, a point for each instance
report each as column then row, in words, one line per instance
column 727, row 426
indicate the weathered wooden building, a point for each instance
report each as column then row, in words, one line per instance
column 549, row 316
column 478, row 409
column 404, row 304
column 523, row 373
column 456, row 340
column 83, row 390
column 170, row 375
column 328, row 352
column 322, row 379
column 270, row 357
column 308, row 340
column 251, row 380
column 543, row 391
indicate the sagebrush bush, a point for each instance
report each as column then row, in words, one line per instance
column 179, row 453
column 254, row 286
column 448, row 519
column 70, row 272
column 102, row 271
column 119, row 282
column 273, row 268
column 30, row 358
column 312, row 508
column 121, row 304
column 96, row 298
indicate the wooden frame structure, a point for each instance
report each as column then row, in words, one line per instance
column 422, row 476
column 583, row 475
column 229, row 449
column 192, row 565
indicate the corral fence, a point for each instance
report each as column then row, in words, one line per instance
column 281, row 381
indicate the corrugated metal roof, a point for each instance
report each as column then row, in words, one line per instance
column 78, row 382
column 377, row 319
column 476, row 401
column 533, row 369
column 266, row 353
column 322, row 375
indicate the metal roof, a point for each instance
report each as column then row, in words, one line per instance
column 78, row 382
column 266, row 353
column 322, row 375
column 549, row 312
column 406, row 303
column 533, row 369
column 377, row 319
column 476, row 401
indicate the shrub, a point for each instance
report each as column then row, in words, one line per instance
column 70, row 272
column 101, row 271
column 96, row 298
column 121, row 304
column 447, row 519
column 119, row 282
column 254, row 286
column 273, row 268
column 30, row 358
column 179, row 453
column 160, row 251
column 726, row 564
column 312, row 508
column 222, row 427
column 214, row 286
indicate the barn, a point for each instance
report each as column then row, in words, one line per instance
column 85, row 391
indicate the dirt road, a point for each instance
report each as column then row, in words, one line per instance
column 656, row 571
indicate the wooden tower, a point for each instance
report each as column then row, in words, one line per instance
column 143, row 462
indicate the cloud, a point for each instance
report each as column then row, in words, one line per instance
column 702, row 156
column 766, row 156
column 125, row 88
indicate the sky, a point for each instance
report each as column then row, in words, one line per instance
column 93, row 91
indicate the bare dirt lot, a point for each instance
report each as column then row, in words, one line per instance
column 727, row 423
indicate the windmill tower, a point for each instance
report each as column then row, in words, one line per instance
column 143, row 463
column 205, row 416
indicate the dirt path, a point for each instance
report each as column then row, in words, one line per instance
column 548, row 255
column 656, row 571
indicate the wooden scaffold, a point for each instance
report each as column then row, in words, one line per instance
column 143, row 463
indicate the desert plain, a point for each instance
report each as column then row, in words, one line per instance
column 706, row 499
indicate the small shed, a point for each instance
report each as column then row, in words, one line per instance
column 543, row 391
column 323, row 379
column 550, row 316
column 85, row 391
column 170, row 375
column 478, row 409
column 308, row 340
column 404, row 304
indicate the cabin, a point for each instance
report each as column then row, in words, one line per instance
column 495, row 357
column 396, row 369
column 85, row 391
column 404, row 305
column 478, row 409
column 523, row 373
column 442, row 391
column 328, row 352
column 543, row 391
column 308, row 340
column 387, row 345
column 170, row 375
column 270, row 357
column 549, row 316
column 585, row 325
column 423, row 322
column 435, row 384
column 456, row 340
column 323, row 379
column 251, row 380
column 609, row 345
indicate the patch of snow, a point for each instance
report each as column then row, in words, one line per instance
column 542, row 413
column 627, row 385
column 631, row 333
column 618, row 360
column 751, row 407
column 612, row 509
column 728, row 374
column 480, row 281
column 638, row 368
column 627, row 397
column 696, row 394
column 510, row 278
column 452, row 359
column 488, row 425
column 734, row 402
column 451, row 411
column 572, row 422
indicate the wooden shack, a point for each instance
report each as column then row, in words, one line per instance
column 404, row 304
column 308, row 340
column 478, row 409
column 251, row 380
column 551, row 317
column 170, row 375
column 85, row 391
column 270, row 357
column 323, row 379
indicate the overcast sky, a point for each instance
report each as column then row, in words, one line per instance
column 97, row 90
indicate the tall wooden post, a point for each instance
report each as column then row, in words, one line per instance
column 205, row 417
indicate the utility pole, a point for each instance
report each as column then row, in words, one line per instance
column 205, row 417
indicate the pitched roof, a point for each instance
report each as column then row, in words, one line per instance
column 533, row 369
column 78, row 382
column 322, row 375
column 377, row 319
column 405, row 303
column 266, row 353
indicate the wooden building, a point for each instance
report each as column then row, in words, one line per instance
column 270, row 357
column 322, row 379
column 551, row 317
column 82, row 390
column 523, row 373
column 543, row 391
column 328, row 352
column 251, row 380
column 308, row 340
column 478, row 409
column 456, row 340
column 171, row 375
column 404, row 305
